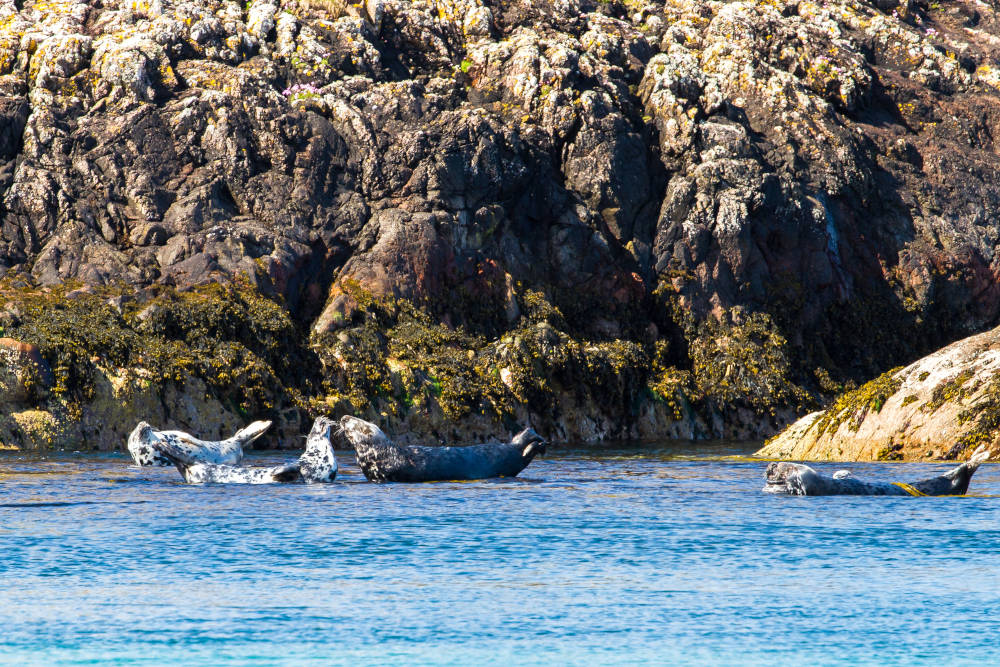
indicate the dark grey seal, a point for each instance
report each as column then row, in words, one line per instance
column 142, row 441
column 796, row 479
column 316, row 465
column 381, row 460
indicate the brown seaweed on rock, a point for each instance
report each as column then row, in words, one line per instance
column 627, row 218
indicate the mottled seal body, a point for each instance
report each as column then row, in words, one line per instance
column 796, row 479
column 142, row 441
column 381, row 460
column 316, row 465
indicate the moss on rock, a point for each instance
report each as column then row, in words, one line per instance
column 743, row 360
column 985, row 418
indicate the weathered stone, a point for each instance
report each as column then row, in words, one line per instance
column 944, row 405
column 148, row 234
column 24, row 375
column 650, row 163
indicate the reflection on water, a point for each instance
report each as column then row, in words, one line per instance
column 613, row 555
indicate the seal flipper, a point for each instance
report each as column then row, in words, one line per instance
column 247, row 435
column 290, row 472
column 955, row 482
column 181, row 459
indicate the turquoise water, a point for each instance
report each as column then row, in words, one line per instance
column 642, row 556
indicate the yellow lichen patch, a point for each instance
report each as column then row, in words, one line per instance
column 950, row 390
column 989, row 75
column 211, row 75
column 853, row 406
column 40, row 429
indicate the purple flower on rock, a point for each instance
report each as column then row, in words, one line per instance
column 301, row 89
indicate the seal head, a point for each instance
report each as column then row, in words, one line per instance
column 318, row 463
column 140, row 446
column 530, row 442
column 790, row 479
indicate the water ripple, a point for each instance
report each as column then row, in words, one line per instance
column 616, row 555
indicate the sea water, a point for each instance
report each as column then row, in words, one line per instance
column 654, row 555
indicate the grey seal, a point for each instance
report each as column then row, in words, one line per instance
column 316, row 465
column 381, row 460
column 796, row 479
column 143, row 438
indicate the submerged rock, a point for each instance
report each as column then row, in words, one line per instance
column 940, row 407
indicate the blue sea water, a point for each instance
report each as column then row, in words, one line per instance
column 666, row 555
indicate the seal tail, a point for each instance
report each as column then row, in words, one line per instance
column 955, row 482
column 970, row 466
column 962, row 475
column 979, row 456
column 247, row 435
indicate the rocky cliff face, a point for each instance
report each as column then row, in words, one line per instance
column 616, row 219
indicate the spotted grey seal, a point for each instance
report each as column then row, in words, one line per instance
column 796, row 479
column 381, row 460
column 317, row 464
column 229, row 451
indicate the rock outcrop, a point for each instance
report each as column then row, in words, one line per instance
column 941, row 407
column 731, row 207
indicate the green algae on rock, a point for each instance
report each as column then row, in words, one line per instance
column 398, row 364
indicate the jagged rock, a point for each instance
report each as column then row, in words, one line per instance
column 641, row 163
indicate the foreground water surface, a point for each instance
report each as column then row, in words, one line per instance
column 616, row 556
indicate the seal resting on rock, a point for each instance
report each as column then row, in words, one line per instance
column 381, row 460
column 142, row 439
column 316, row 465
column 795, row 479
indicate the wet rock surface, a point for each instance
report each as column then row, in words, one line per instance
column 740, row 206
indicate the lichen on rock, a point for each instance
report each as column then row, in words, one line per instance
column 788, row 170
column 942, row 406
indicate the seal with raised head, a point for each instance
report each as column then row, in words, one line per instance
column 382, row 460
column 143, row 437
column 796, row 479
column 316, row 465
